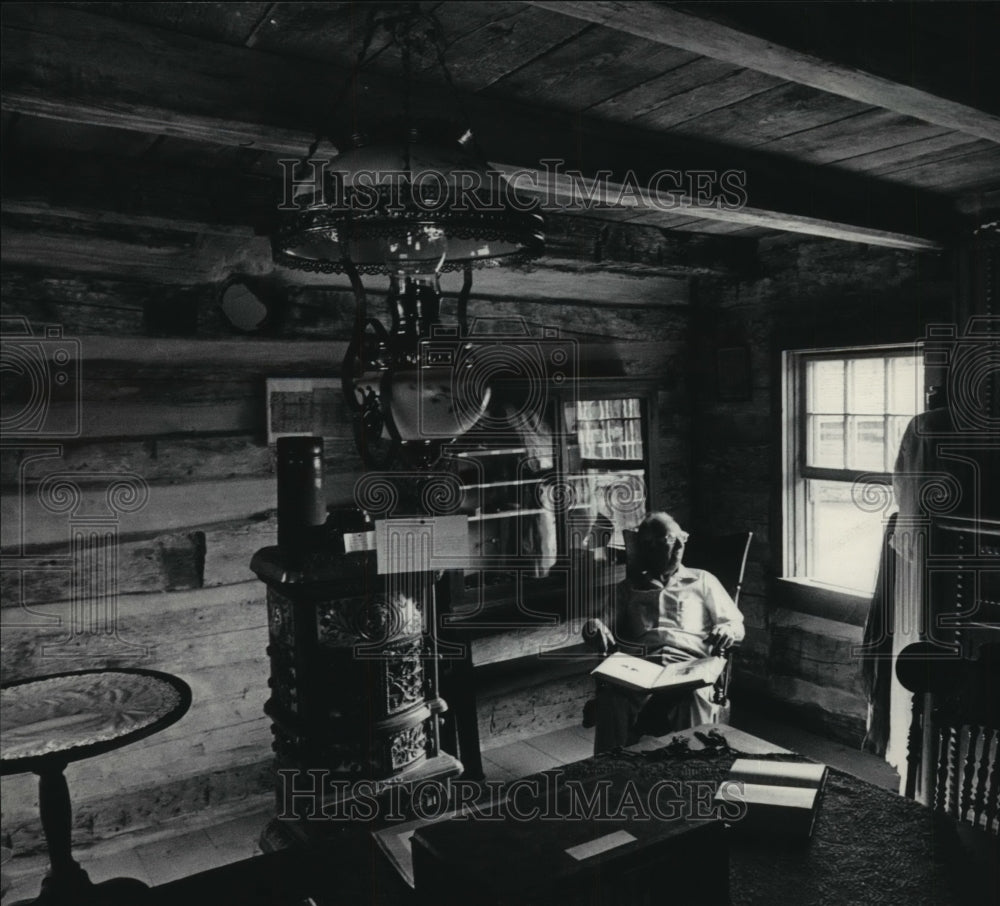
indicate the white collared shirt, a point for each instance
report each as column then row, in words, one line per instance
column 674, row 620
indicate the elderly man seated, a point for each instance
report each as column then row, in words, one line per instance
column 693, row 616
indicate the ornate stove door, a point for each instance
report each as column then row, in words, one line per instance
column 354, row 697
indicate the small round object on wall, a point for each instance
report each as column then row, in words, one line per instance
column 244, row 306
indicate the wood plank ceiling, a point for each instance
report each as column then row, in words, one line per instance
column 873, row 122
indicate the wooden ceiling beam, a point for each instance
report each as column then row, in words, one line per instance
column 691, row 29
column 70, row 65
column 560, row 190
column 213, row 259
column 137, row 192
column 47, row 188
column 75, row 66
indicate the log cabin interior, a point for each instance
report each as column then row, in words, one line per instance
column 770, row 240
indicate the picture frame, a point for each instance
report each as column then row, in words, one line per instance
column 304, row 407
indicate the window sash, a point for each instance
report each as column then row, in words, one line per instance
column 850, row 416
column 804, row 402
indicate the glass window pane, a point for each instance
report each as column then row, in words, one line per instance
column 609, row 429
column 866, row 385
column 866, row 443
column 825, row 445
column 825, row 386
column 843, row 541
column 633, row 439
column 618, row 497
column 897, row 427
column 905, row 385
column 613, row 445
column 838, row 543
column 570, row 414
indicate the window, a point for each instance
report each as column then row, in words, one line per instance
column 849, row 409
column 606, row 462
column 539, row 491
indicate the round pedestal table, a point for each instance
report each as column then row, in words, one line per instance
column 50, row 721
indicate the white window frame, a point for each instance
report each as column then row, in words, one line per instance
column 795, row 472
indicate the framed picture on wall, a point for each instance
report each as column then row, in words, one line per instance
column 305, row 407
column 732, row 373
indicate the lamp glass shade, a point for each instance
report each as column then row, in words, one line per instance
column 427, row 405
column 404, row 207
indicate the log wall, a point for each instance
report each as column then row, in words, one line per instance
column 171, row 399
column 806, row 294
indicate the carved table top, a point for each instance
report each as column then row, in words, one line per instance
column 68, row 716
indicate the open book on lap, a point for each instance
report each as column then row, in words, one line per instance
column 636, row 673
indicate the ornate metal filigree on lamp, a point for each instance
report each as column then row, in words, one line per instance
column 410, row 202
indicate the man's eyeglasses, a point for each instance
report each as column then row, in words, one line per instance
column 671, row 540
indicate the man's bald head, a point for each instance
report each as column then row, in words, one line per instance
column 661, row 544
column 656, row 526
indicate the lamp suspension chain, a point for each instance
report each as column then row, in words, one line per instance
column 407, row 107
column 371, row 26
column 456, row 95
